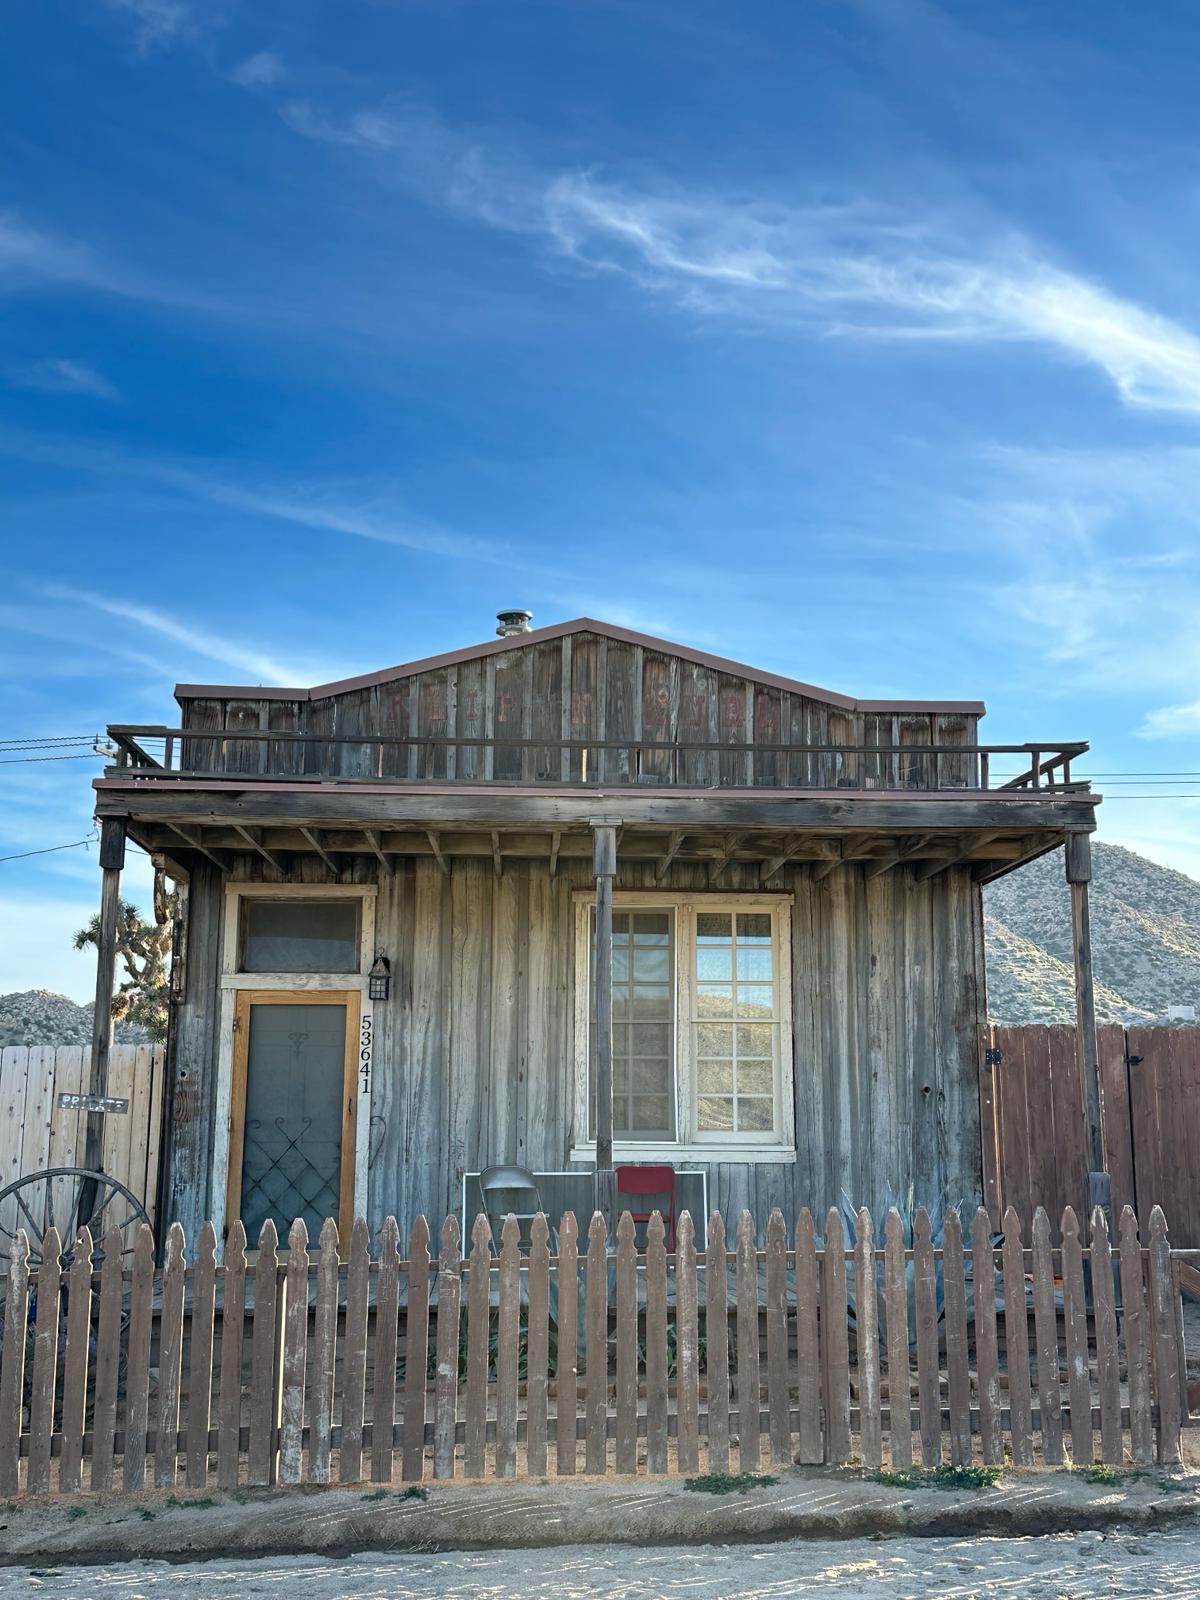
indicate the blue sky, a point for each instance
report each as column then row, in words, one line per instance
column 856, row 339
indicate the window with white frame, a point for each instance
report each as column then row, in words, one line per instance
column 701, row 1020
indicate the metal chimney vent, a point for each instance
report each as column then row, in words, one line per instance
column 513, row 622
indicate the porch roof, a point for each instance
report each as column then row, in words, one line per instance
column 929, row 830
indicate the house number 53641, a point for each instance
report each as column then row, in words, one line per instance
column 364, row 1054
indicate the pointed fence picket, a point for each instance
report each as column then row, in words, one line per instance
column 303, row 1365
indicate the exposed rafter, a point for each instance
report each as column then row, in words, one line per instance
column 194, row 841
column 674, row 844
column 435, row 845
column 253, row 838
column 895, row 857
column 771, row 867
column 311, row 835
column 731, row 842
column 374, row 839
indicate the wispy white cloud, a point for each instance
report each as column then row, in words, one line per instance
column 157, row 22
column 213, row 646
column 858, row 270
column 371, row 511
column 57, row 376
column 260, row 70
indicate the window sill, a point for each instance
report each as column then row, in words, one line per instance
column 677, row 1154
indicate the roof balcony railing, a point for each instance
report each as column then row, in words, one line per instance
column 243, row 755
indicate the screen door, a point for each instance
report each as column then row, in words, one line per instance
column 292, row 1111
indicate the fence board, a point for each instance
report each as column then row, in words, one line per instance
column 1045, row 1317
column 810, row 1446
column 687, row 1347
column 537, row 1347
column 596, row 1348
column 12, row 1365
column 1166, row 1347
column 479, row 1318
column 896, row 1310
column 325, row 1317
column 508, row 1335
column 716, row 1353
column 170, row 1362
column 929, row 1397
column 1108, row 1360
column 958, row 1375
column 295, row 1353
column 1115, row 1114
column 445, row 1395
column 566, row 1361
column 387, row 1326
column 778, row 1397
column 1016, row 1342
column 866, row 1324
column 137, row 1376
column 749, row 1454
column 1137, row 1341
column 656, row 1345
column 354, row 1356
column 108, row 1357
column 200, row 1357
column 627, row 1354
column 834, row 1342
column 983, row 1292
column 1075, row 1318
column 43, row 1389
column 75, row 1365
column 233, row 1334
column 261, row 1462
column 416, row 1348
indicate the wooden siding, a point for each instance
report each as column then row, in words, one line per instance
column 579, row 687
column 474, row 1053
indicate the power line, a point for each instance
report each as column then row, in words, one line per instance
column 79, row 755
column 50, row 849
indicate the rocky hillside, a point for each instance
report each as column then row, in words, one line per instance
column 1145, row 939
column 36, row 1016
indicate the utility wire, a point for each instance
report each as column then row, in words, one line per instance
column 50, row 849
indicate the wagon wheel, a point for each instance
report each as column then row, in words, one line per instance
column 55, row 1199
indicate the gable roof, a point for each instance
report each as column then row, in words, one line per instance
column 560, row 630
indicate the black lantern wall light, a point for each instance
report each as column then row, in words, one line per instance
column 379, row 979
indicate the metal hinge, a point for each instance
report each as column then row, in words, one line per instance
column 991, row 1058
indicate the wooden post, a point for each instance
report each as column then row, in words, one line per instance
column 112, row 859
column 1087, row 1054
column 604, row 858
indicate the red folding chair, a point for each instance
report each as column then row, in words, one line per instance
column 657, row 1183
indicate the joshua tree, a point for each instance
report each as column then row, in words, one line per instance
column 145, row 951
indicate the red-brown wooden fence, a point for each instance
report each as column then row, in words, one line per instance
column 343, row 1365
column 1150, row 1107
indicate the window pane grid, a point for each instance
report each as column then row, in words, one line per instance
column 643, row 1034
column 735, row 1023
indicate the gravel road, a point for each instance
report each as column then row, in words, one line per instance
column 1060, row 1567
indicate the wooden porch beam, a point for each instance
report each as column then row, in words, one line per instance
column 556, row 836
column 1087, row 1053
column 674, row 844
column 112, row 859
column 497, row 859
column 194, row 840
column 895, row 857
column 311, row 835
column 436, row 846
column 253, row 838
column 375, row 840
column 604, row 867
column 824, row 869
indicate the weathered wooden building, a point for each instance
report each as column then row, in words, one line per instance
column 777, row 887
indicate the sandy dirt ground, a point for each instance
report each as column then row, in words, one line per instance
column 1084, row 1566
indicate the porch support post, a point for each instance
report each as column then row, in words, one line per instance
column 112, row 859
column 604, row 862
column 1087, row 1054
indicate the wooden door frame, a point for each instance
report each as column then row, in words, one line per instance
column 245, row 998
